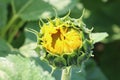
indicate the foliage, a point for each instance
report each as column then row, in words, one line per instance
column 19, row 61
column 16, row 67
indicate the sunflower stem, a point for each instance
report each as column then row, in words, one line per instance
column 66, row 73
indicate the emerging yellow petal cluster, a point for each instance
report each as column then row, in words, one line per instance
column 59, row 38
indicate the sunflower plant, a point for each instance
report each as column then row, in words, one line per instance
column 65, row 42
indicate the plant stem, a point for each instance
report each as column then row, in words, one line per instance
column 13, row 7
column 5, row 29
column 53, row 69
column 66, row 73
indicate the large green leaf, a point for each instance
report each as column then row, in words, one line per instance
column 3, row 14
column 93, row 72
column 34, row 10
column 5, row 48
column 16, row 67
column 88, row 71
column 28, row 50
column 78, row 73
column 5, row 1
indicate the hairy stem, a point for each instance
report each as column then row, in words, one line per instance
column 66, row 73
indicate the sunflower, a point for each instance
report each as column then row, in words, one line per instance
column 60, row 37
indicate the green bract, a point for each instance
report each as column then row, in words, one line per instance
column 65, row 59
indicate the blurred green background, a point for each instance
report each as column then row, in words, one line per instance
column 104, row 15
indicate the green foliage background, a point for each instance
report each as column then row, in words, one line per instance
column 19, row 61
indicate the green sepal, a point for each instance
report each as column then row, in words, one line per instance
column 87, row 45
column 60, row 62
column 50, row 59
column 81, row 59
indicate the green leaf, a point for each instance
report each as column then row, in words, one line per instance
column 96, row 37
column 34, row 10
column 28, row 50
column 3, row 14
column 88, row 71
column 16, row 67
column 57, row 74
column 5, row 48
column 93, row 72
column 78, row 73
column 5, row 1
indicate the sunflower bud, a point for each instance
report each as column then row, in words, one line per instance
column 64, row 42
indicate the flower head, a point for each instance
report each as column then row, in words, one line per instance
column 60, row 37
column 64, row 42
